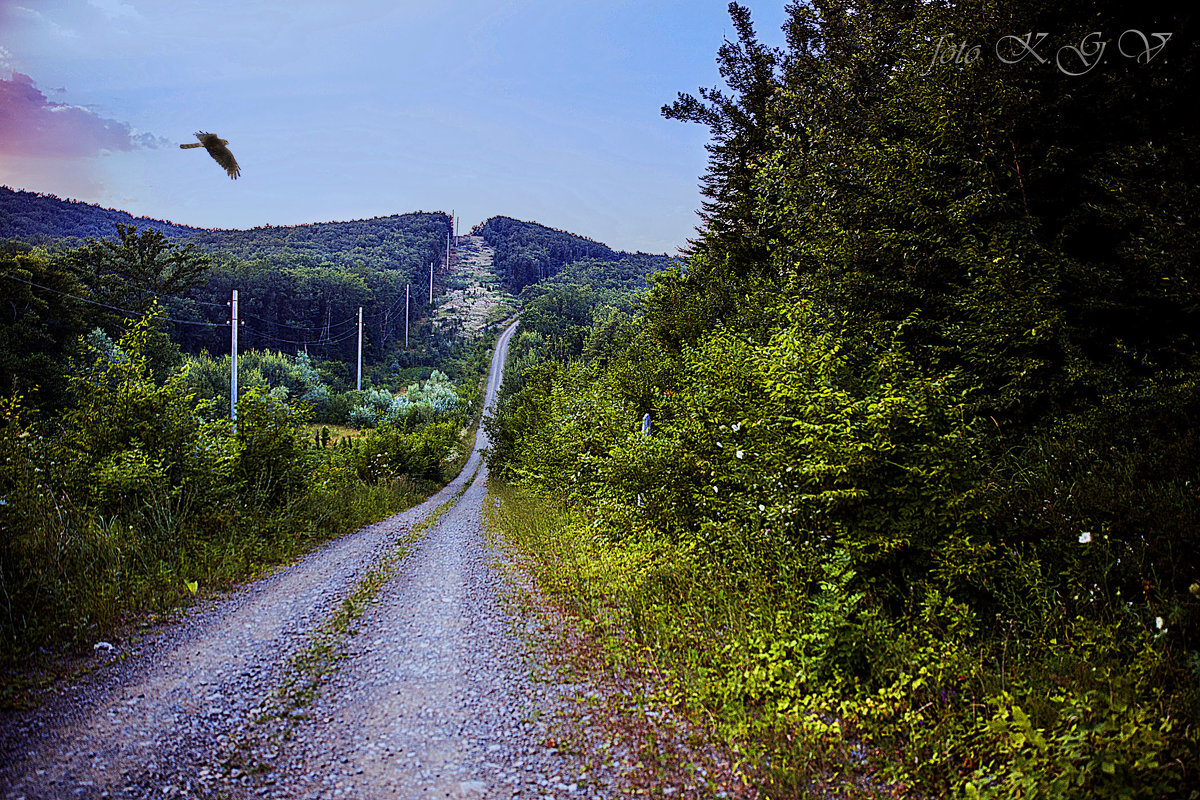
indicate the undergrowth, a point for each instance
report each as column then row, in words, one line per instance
column 1090, row 707
column 139, row 497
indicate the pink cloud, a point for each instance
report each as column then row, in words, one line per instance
column 32, row 125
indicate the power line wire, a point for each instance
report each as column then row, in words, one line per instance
column 128, row 311
column 315, row 342
column 341, row 336
column 303, row 328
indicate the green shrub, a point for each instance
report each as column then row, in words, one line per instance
column 138, row 491
column 270, row 463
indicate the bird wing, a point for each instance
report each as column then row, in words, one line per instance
column 220, row 153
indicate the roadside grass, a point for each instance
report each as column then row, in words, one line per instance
column 633, row 715
column 124, row 602
column 1088, row 708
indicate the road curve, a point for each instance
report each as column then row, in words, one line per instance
column 159, row 717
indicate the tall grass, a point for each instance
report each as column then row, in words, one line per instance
column 138, row 496
column 1092, row 707
column 69, row 574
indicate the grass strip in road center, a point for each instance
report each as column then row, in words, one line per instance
column 318, row 659
column 309, row 669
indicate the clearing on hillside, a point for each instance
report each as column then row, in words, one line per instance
column 474, row 295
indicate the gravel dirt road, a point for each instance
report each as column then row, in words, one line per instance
column 430, row 698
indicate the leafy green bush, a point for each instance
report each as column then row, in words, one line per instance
column 389, row 452
column 270, row 465
column 138, row 490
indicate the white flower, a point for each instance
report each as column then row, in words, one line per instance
column 1158, row 623
column 1085, row 537
column 740, row 454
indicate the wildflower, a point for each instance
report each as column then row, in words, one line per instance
column 1085, row 537
column 1158, row 623
column 740, row 454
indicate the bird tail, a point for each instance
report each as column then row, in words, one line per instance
column 186, row 146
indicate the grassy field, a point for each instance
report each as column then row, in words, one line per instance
column 337, row 433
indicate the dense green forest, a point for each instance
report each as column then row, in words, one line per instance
column 527, row 253
column 617, row 282
column 299, row 286
column 917, row 508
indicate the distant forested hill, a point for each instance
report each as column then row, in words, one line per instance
column 527, row 252
column 615, row 283
column 306, row 282
column 40, row 218
column 381, row 242
column 301, row 286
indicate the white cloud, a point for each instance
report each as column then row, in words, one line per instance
column 33, row 125
column 114, row 9
column 37, row 18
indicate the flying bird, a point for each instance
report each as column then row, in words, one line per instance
column 216, row 147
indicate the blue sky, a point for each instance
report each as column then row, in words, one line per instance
column 546, row 111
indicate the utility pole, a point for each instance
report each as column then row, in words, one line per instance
column 233, row 348
column 359, row 383
column 407, row 287
column 641, row 501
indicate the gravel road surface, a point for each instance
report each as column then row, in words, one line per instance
column 431, row 697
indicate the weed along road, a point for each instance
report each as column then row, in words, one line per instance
column 383, row 665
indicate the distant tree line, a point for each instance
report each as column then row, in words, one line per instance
column 527, row 252
column 42, row 218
